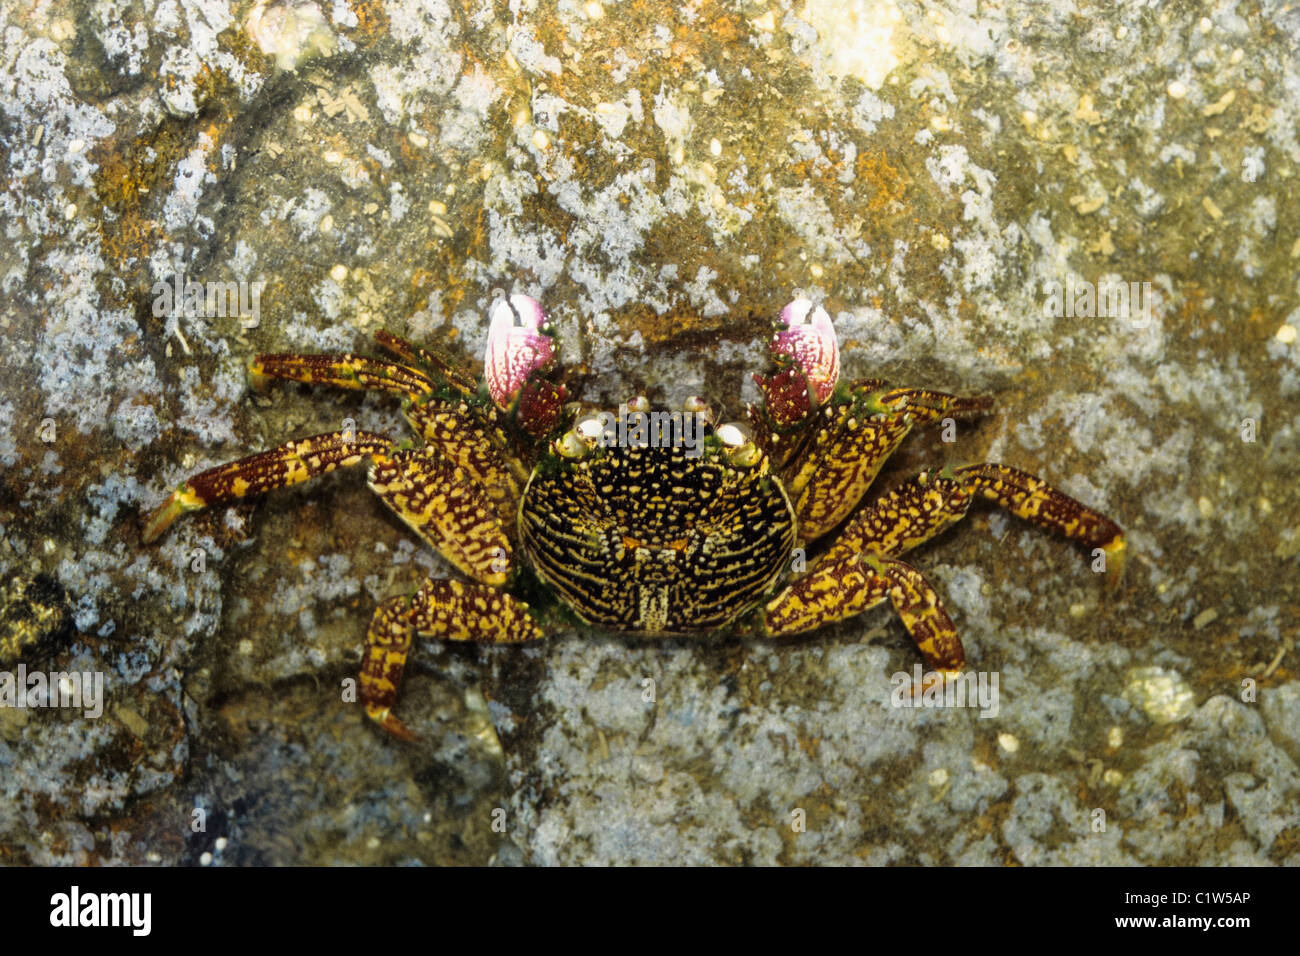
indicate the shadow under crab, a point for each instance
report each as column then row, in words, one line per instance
column 554, row 518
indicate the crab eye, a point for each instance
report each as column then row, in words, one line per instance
column 570, row 446
column 738, row 445
column 517, row 346
column 639, row 404
column 590, row 428
column 586, row 435
column 732, row 435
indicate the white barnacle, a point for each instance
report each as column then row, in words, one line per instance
column 1163, row 695
column 290, row 30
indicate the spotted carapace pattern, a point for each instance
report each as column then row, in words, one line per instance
column 655, row 541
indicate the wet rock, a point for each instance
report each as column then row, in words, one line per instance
column 35, row 618
column 966, row 192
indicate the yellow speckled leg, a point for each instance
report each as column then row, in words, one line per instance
column 898, row 521
column 917, row 603
column 831, row 464
column 1033, row 499
column 448, row 508
column 840, row 589
column 921, row 509
column 861, row 568
column 925, row 405
column 442, row 369
column 341, row 371
column 474, row 443
column 387, row 643
column 839, row 462
column 288, row 464
column 442, row 609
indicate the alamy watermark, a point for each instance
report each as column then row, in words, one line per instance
column 209, row 300
column 941, row 689
column 129, row 910
column 641, row 429
column 1085, row 300
column 79, row 690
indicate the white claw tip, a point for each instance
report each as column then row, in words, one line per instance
column 796, row 313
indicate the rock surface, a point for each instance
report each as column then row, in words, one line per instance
column 664, row 176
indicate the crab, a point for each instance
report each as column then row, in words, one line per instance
column 560, row 516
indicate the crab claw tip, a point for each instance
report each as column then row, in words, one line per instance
column 796, row 311
column 179, row 502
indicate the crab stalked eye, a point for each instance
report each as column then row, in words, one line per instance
column 697, row 406
column 586, row 435
column 738, row 445
column 590, row 428
column 517, row 346
column 570, row 445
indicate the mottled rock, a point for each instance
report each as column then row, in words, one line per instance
column 965, row 190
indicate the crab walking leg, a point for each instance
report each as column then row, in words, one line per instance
column 448, row 610
column 414, row 354
column 341, row 371
column 906, row 517
column 843, row 457
column 921, row 509
column 465, row 441
column 925, row 405
column 387, row 643
column 849, row 442
column 1030, row 497
column 844, row 588
column 288, row 464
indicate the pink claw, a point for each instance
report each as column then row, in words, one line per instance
column 809, row 354
column 516, row 347
column 809, row 339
